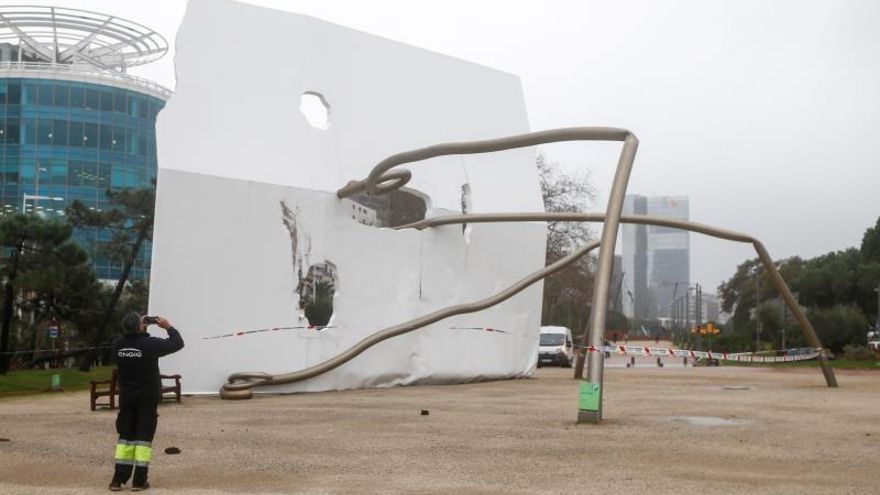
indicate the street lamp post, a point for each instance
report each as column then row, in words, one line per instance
column 698, row 313
column 687, row 308
column 674, row 294
column 757, row 305
column 684, row 316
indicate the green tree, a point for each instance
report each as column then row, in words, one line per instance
column 130, row 222
column 830, row 279
column 839, row 325
column 42, row 269
column 770, row 316
column 840, row 279
column 751, row 285
column 871, row 243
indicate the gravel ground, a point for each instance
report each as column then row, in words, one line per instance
column 666, row 430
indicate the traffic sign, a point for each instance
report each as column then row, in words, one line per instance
column 53, row 332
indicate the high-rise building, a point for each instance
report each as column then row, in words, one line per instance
column 655, row 260
column 73, row 122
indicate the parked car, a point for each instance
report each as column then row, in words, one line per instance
column 555, row 347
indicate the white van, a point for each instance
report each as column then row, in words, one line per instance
column 555, row 347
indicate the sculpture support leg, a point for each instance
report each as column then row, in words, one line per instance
column 602, row 282
column 803, row 322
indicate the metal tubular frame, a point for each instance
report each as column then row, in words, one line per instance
column 763, row 255
column 381, row 181
column 240, row 384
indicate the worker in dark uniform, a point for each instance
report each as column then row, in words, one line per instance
column 140, row 390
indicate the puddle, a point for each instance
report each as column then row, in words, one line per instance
column 707, row 421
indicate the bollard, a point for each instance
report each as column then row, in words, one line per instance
column 632, row 361
column 685, row 364
column 659, row 363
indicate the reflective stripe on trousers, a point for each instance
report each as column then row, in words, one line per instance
column 124, row 451
column 143, row 453
column 133, row 452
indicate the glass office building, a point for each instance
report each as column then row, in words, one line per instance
column 655, row 259
column 73, row 123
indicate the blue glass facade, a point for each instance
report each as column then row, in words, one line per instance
column 64, row 140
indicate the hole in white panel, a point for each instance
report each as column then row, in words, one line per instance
column 316, row 291
column 393, row 209
column 316, row 282
column 315, row 109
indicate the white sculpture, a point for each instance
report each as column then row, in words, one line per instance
column 248, row 220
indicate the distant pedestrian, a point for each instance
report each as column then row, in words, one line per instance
column 140, row 390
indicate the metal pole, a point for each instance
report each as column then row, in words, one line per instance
column 678, row 305
column 674, row 295
column 757, row 305
column 687, row 309
column 595, row 360
column 806, row 326
column 699, row 304
column 698, row 314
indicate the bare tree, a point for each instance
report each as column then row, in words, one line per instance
column 564, row 192
column 568, row 293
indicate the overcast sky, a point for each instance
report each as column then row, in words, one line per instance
column 765, row 113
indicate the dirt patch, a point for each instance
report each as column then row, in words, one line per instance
column 782, row 433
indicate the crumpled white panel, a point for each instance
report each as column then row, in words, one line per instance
column 233, row 145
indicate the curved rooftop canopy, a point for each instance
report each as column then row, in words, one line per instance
column 69, row 36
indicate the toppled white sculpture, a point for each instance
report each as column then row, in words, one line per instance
column 248, row 219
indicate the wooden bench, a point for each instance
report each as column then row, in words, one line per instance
column 110, row 389
column 173, row 390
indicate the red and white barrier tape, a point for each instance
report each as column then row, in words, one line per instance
column 485, row 329
column 242, row 333
column 634, row 350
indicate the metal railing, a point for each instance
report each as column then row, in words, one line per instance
column 58, row 71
